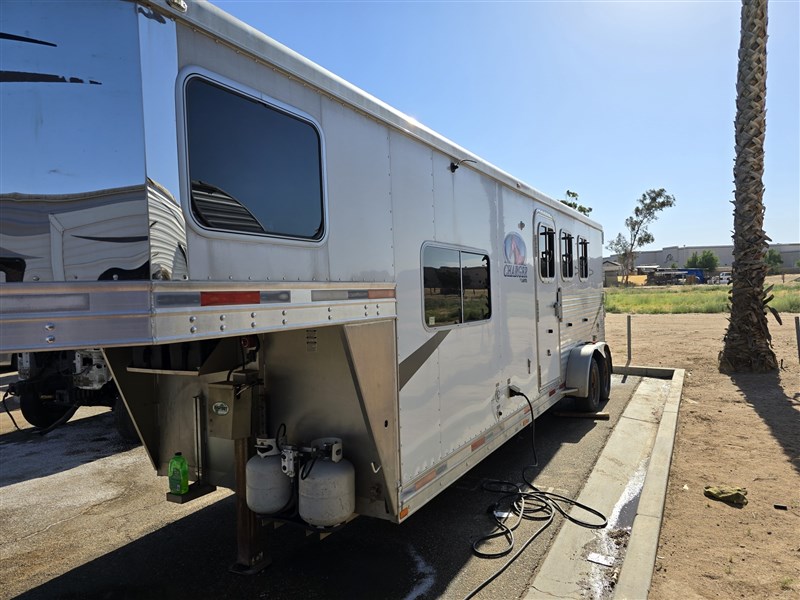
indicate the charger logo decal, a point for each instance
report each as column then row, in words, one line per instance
column 515, row 253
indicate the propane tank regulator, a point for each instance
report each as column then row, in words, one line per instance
column 324, row 448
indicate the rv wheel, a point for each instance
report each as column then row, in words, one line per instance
column 40, row 413
column 592, row 402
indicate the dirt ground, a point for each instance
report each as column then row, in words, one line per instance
column 741, row 431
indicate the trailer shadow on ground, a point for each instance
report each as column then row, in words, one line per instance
column 27, row 454
column 426, row 557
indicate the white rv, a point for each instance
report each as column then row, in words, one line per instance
column 264, row 252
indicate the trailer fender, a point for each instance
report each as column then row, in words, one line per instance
column 579, row 364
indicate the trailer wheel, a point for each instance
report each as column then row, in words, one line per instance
column 591, row 403
column 40, row 413
column 605, row 379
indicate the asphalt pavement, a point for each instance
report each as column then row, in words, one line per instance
column 93, row 523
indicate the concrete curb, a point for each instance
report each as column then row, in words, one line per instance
column 642, row 440
column 637, row 569
column 654, row 372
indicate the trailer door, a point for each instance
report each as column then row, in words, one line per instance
column 547, row 301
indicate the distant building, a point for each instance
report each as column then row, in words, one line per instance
column 611, row 270
column 790, row 253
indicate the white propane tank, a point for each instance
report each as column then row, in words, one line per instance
column 268, row 489
column 328, row 493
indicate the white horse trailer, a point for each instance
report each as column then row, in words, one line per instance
column 265, row 252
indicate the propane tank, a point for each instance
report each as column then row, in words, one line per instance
column 269, row 490
column 328, row 492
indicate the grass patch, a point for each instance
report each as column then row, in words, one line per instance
column 690, row 299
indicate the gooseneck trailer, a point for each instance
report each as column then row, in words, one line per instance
column 269, row 259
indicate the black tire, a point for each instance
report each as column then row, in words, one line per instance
column 592, row 402
column 605, row 379
column 124, row 423
column 40, row 413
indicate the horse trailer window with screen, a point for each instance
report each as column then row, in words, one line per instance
column 547, row 254
column 253, row 168
column 567, row 261
column 583, row 258
column 456, row 286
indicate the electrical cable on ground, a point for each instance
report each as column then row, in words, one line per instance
column 526, row 505
column 5, row 406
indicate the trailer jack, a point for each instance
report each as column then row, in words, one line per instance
column 251, row 543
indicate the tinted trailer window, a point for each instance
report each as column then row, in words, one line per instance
column 253, row 168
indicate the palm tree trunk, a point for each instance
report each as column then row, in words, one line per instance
column 748, row 344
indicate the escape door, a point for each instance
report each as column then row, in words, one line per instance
column 547, row 300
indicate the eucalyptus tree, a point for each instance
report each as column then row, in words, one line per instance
column 573, row 203
column 645, row 212
column 748, row 343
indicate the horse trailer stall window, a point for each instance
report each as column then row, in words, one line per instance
column 547, row 255
column 583, row 258
column 456, row 286
column 567, row 261
column 253, row 168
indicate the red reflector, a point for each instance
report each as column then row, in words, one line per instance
column 553, row 391
column 226, row 298
column 478, row 443
column 374, row 294
column 425, row 480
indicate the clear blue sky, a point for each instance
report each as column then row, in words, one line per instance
column 607, row 99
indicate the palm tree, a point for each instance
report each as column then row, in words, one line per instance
column 748, row 344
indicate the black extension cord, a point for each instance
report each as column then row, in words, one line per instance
column 8, row 393
column 526, row 505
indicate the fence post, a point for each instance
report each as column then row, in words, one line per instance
column 629, row 340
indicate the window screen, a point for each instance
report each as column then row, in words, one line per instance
column 456, row 286
column 253, row 168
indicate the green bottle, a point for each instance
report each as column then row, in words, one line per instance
column 178, row 474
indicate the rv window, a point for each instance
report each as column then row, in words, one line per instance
column 583, row 258
column 456, row 286
column 442, row 277
column 567, row 263
column 253, row 168
column 475, row 278
column 547, row 255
